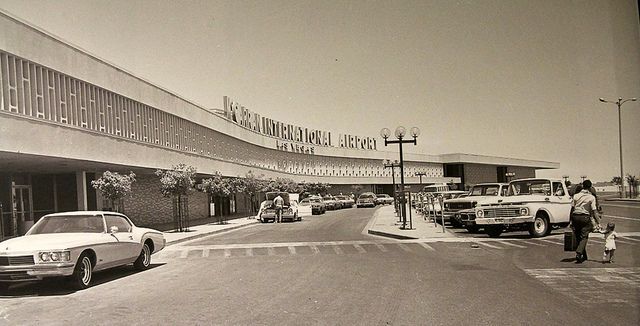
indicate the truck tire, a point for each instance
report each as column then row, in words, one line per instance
column 493, row 231
column 472, row 228
column 540, row 226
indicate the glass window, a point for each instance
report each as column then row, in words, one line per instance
column 118, row 221
column 69, row 224
column 558, row 190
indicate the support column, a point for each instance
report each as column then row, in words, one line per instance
column 81, row 190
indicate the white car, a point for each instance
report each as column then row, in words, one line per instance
column 76, row 244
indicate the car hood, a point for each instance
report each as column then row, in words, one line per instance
column 50, row 241
column 513, row 200
column 473, row 198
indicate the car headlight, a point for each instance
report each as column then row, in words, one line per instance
column 474, row 203
column 54, row 256
column 480, row 213
column 524, row 211
column 446, row 205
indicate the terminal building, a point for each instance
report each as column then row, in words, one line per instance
column 67, row 116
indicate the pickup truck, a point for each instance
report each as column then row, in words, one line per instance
column 268, row 209
column 536, row 205
column 460, row 210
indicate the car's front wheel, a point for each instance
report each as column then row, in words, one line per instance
column 539, row 227
column 472, row 228
column 144, row 260
column 494, row 231
column 82, row 273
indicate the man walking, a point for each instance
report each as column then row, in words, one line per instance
column 279, row 203
column 584, row 208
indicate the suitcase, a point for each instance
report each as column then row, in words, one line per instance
column 570, row 241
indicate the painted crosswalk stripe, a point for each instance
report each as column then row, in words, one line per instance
column 315, row 249
column 381, row 247
column 490, row 245
column 205, row 253
column 292, row 250
column 359, row 248
column 404, row 247
column 249, row 252
column 551, row 242
column 184, row 253
column 512, row 244
column 532, row 243
column 227, row 253
column 630, row 238
column 626, row 242
column 271, row 251
column 427, row 246
column 338, row 250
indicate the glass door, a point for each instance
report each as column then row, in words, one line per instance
column 22, row 212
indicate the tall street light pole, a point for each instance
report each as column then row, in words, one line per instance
column 400, row 133
column 509, row 176
column 619, row 104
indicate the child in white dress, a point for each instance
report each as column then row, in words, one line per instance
column 609, row 243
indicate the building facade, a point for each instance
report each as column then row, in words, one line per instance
column 66, row 116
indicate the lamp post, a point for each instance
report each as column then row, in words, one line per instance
column 509, row 176
column 619, row 103
column 395, row 164
column 420, row 174
column 583, row 177
column 400, row 133
column 565, row 177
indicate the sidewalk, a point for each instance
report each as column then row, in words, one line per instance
column 199, row 231
column 385, row 223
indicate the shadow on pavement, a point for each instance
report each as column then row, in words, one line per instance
column 59, row 286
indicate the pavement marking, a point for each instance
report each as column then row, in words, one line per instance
column 184, row 253
column 623, row 218
column 314, row 249
column 532, row 243
column 489, row 245
column 552, row 242
column 629, row 238
column 338, row 250
column 271, row 251
column 292, row 250
column 428, row 247
column 359, row 248
column 512, row 244
column 404, row 247
column 249, row 252
column 623, row 206
column 205, row 253
column 626, row 242
column 227, row 253
column 381, row 247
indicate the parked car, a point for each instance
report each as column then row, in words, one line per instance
column 535, row 204
column 383, row 199
column 366, row 199
column 330, row 202
column 465, row 205
column 268, row 209
column 346, row 201
column 75, row 245
column 314, row 204
column 435, row 207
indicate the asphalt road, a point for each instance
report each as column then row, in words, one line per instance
column 326, row 271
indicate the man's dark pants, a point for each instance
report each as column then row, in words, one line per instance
column 278, row 214
column 582, row 227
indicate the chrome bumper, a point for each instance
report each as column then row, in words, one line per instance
column 503, row 220
column 34, row 272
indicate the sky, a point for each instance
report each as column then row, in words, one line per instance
column 507, row 78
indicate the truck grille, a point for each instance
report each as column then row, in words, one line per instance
column 16, row 260
column 501, row 212
column 459, row 206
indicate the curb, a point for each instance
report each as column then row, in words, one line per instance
column 391, row 235
column 633, row 200
column 204, row 234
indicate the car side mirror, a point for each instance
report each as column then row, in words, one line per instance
column 113, row 229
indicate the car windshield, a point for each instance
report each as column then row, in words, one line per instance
column 69, row 224
column 315, row 200
column 530, row 187
column 383, row 195
column 485, row 190
column 366, row 196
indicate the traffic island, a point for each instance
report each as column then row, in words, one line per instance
column 385, row 223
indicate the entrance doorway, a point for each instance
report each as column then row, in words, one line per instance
column 21, row 209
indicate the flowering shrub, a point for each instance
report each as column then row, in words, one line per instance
column 177, row 181
column 114, row 186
